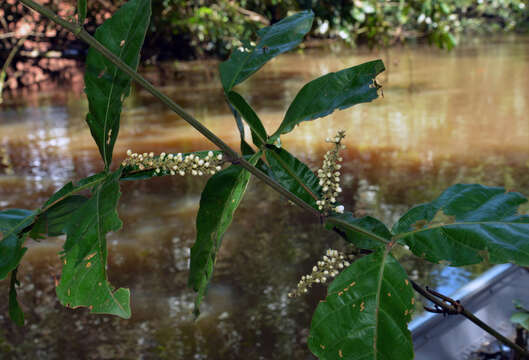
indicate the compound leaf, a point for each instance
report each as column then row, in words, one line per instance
column 467, row 224
column 84, row 278
column 332, row 91
column 274, row 40
column 365, row 314
column 218, row 202
column 106, row 85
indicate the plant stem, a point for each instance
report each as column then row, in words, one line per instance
column 78, row 31
column 345, row 224
column 472, row 318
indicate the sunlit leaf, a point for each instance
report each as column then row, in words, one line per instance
column 365, row 314
column 15, row 312
column 362, row 232
column 274, row 40
column 218, row 202
column 12, row 224
column 106, row 85
column 84, row 277
column 338, row 90
column 293, row 175
column 467, row 224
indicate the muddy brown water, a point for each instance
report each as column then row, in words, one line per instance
column 444, row 118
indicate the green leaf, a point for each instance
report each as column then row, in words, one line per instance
column 274, row 40
column 338, row 90
column 106, row 85
column 365, row 232
column 54, row 215
column 246, row 149
column 365, row 313
column 467, row 224
column 218, row 202
column 259, row 136
column 293, row 175
column 84, row 278
column 12, row 223
column 54, row 220
column 81, row 11
column 15, row 312
column 522, row 319
column 71, row 188
column 519, row 306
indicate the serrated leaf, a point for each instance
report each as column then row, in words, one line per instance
column 274, row 40
column 81, row 11
column 15, row 312
column 259, row 136
column 293, row 175
column 106, row 85
column 12, row 223
column 84, row 278
column 338, row 90
column 362, row 232
column 467, row 224
column 365, row 313
column 218, row 202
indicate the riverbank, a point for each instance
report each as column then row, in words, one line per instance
column 181, row 30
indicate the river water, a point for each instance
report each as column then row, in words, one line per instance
column 444, row 118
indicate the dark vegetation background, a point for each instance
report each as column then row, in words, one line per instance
column 185, row 30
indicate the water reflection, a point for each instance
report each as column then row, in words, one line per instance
column 445, row 118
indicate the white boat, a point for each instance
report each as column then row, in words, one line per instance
column 489, row 297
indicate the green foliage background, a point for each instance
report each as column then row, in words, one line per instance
column 215, row 27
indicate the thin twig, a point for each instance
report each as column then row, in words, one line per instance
column 454, row 307
column 230, row 153
column 10, row 58
column 83, row 35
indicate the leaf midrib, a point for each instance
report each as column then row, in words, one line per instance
column 377, row 300
column 116, row 71
column 457, row 223
column 293, row 174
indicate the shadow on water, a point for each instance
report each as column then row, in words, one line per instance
column 445, row 118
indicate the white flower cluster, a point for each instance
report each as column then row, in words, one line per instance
column 176, row 163
column 329, row 176
column 331, row 264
